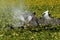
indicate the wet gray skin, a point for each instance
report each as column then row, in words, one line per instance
column 32, row 19
column 47, row 19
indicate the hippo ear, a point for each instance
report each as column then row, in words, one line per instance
column 34, row 13
column 47, row 11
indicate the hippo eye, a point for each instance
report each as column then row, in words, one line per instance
column 49, row 14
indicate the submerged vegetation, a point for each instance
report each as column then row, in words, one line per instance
column 43, row 32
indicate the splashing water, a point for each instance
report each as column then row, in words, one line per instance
column 21, row 17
